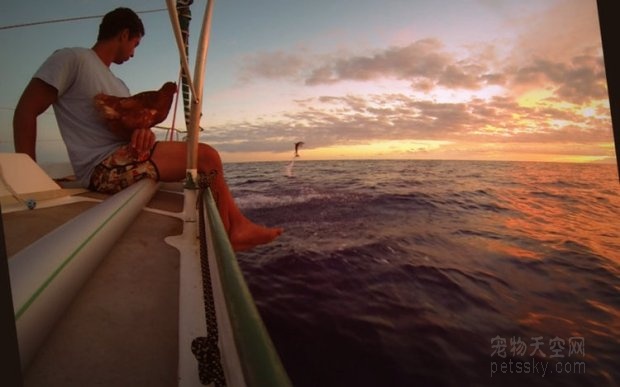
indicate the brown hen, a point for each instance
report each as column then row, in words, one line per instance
column 141, row 111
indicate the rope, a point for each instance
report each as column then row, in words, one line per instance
column 68, row 19
column 206, row 349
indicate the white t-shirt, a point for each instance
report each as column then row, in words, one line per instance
column 79, row 74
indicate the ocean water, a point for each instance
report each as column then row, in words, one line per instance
column 424, row 273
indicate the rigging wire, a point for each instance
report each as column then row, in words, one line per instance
column 171, row 129
column 69, row 19
column 174, row 113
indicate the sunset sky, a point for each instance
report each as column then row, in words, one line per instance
column 424, row 79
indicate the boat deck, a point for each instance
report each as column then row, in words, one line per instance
column 122, row 327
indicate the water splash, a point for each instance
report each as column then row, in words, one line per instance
column 288, row 170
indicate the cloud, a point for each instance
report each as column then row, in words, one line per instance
column 558, row 32
column 359, row 119
column 577, row 81
column 422, row 58
column 424, row 62
column 426, row 65
column 271, row 65
column 572, row 81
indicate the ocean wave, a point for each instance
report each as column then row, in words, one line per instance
column 254, row 181
column 410, row 268
column 261, row 200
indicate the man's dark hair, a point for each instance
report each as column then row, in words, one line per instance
column 118, row 20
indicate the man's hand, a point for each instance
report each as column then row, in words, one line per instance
column 142, row 140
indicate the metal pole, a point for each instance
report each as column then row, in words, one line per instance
column 176, row 28
column 46, row 275
column 199, row 72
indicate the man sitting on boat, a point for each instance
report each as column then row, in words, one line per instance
column 69, row 80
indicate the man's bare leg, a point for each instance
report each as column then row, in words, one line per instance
column 170, row 158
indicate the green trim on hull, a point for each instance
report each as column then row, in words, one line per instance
column 260, row 361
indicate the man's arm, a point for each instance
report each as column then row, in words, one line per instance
column 36, row 98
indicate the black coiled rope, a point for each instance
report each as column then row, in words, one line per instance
column 206, row 349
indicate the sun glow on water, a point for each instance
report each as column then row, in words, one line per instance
column 391, row 149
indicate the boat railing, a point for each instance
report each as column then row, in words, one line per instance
column 259, row 361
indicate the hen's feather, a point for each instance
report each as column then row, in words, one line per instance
column 140, row 111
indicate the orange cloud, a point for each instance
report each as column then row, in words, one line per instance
column 545, row 99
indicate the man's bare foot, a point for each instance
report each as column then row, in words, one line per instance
column 247, row 235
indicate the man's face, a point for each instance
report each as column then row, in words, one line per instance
column 126, row 47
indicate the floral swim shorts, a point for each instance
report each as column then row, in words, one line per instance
column 123, row 168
